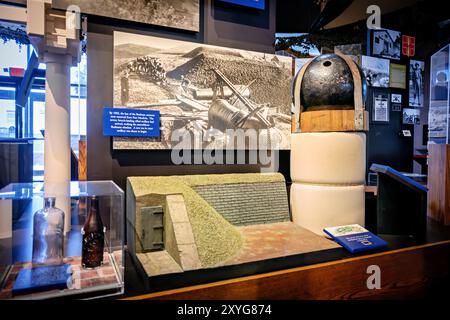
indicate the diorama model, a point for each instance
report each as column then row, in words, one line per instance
column 328, row 157
column 182, row 224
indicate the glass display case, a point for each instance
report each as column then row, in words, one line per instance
column 438, row 120
column 61, row 240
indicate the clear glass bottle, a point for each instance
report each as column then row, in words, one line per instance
column 48, row 234
column 93, row 233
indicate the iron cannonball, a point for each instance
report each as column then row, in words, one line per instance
column 327, row 84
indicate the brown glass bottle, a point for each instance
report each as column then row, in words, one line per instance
column 93, row 237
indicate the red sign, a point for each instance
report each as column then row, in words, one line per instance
column 16, row 72
column 408, row 46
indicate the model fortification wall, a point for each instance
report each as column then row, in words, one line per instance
column 183, row 223
column 248, row 203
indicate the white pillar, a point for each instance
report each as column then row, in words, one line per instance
column 57, row 131
column 5, row 219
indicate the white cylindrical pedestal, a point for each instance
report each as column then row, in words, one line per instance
column 57, row 132
column 316, row 207
column 328, row 175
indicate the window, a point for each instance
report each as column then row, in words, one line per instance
column 7, row 112
column 33, row 116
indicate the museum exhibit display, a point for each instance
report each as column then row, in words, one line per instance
column 220, row 150
column 438, row 133
column 85, row 261
column 190, row 229
column 328, row 157
column 438, row 117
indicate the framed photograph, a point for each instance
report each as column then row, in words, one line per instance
column 354, row 51
column 437, row 122
column 198, row 88
column 396, row 98
column 397, row 76
column 411, row 116
column 386, row 43
column 416, row 83
column 380, row 107
column 376, row 71
column 179, row 14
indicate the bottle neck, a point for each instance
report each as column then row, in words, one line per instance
column 49, row 202
column 93, row 220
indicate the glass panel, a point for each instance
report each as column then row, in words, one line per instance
column 18, row 205
column 7, row 113
column 12, row 56
column 439, row 97
column 77, row 189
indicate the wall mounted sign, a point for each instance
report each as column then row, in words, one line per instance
column 408, row 46
column 380, row 109
column 257, row 4
column 130, row 123
column 397, row 76
column 396, row 107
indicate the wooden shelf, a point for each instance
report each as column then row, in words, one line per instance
column 407, row 271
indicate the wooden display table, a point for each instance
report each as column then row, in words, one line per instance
column 407, row 271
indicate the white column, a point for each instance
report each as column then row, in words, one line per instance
column 57, row 131
column 5, row 219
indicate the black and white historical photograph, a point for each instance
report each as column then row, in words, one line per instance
column 411, row 116
column 197, row 87
column 437, row 122
column 180, row 14
column 354, row 51
column 416, row 83
column 386, row 43
column 376, row 71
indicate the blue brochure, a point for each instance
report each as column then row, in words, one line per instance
column 355, row 238
column 43, row 278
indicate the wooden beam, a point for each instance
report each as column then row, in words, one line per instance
column 331, row 121
column 12, row 14
column 404, row 273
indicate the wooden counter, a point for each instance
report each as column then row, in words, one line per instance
column 407, row 271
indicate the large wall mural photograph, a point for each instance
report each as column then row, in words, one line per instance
column 201, row 87
column 180, row 14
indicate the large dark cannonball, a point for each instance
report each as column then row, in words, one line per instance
column 327, row 84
